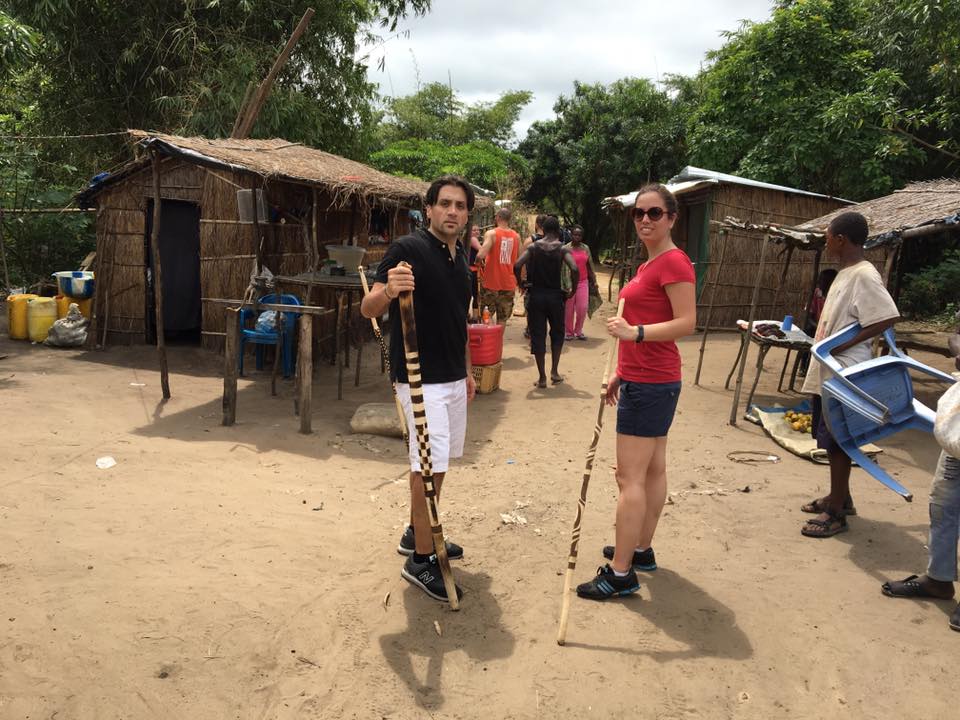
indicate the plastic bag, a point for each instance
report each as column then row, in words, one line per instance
column 946, row 428
column 267, row 322
column 69, row 331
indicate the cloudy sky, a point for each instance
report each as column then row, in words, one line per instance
column 487, row 47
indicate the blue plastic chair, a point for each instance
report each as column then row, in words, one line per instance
column 283, row 340
column 871, row 400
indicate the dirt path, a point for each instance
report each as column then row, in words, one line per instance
column 241, row 572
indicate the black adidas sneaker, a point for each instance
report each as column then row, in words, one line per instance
column 607, row 585
column 645, row 561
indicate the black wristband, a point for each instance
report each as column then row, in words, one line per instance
column 639, row 333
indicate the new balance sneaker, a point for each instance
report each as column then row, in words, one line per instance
column 427, row 577
column 607, row 585
column 408, row 544
column 645, row 561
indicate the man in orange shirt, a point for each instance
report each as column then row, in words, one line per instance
column 500, row 250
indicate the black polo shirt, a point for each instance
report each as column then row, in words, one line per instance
column 440, row 300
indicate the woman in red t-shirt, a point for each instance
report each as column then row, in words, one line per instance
column 659, row 307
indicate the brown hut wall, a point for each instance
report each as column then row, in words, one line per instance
column 121, row 228
column 742, row 258
column 227, row 248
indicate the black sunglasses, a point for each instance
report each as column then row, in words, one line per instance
column 654, row 213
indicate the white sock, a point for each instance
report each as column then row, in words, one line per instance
column 618, row 573
column 641, row 550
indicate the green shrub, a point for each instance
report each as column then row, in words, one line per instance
column 929, row 291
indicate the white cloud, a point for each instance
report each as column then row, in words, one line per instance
column 497, row 45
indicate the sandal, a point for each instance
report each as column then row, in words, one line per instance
column 817, row 507
column 911, row 587
column 833, row 525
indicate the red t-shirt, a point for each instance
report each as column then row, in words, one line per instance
column 647, row 303
column 498, row 270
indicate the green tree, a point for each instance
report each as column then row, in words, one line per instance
column 433, row 132
column 184, row 66
column 483, row 163
column 914, row 89
column 605, row 139
column 18, row 43
column 836, row 96
column 435, row 112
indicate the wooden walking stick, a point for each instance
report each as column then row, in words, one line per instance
column 582, row 500
column 386, row 361
column 412, row 355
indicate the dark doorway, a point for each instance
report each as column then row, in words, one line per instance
column 179, row 245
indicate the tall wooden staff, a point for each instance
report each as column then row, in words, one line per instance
column 386, row 361
column 582, row 500
column 412, row 351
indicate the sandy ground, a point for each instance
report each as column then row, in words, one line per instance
column 241, row 572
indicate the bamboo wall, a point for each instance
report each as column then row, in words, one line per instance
column 741, row 259
column 120, row 301
column 227, row 247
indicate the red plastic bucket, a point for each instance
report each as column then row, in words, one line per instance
column 486, row 343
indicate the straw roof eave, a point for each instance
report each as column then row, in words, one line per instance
column 919, row 207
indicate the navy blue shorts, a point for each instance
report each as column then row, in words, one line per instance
column 646, row 409
column 821, row 433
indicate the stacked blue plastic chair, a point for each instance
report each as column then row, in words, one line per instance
column 283, row 340
column 872, row 400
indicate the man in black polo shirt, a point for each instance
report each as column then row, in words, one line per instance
column 439, row 277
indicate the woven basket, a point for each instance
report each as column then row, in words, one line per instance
column 487, row 377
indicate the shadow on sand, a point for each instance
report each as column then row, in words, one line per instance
column 688, row 615
column 482, row 643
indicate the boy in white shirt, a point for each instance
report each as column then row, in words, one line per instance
column 857, row 295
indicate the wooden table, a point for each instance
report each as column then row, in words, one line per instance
column 765, row 344
column 344, row 286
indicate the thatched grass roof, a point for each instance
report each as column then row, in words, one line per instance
column 294, row 162
column 283, row 160
column 920, row 203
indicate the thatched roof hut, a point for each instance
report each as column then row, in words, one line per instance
column 931, row 204
column 706, row 199
column 306, row 198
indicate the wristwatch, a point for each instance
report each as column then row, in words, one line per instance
column 639, row 333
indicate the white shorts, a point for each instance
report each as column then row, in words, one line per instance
column 446, row 406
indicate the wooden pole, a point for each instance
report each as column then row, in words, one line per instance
column 746, row 344
column 412, row 354
column 305, row 367
column 257, row 237
column 242, row 111
column 353, row 221
column 813, row 288
column 260, row 98
column 385, row 360
column 230, row 367
column 158, row 279
column 3, row 255
column 724, row 236
column 778, row 297
column 278, row 354
column 584, row 485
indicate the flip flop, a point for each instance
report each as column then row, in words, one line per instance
column 909, row 587
column 556, row 380
column 541, row 384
